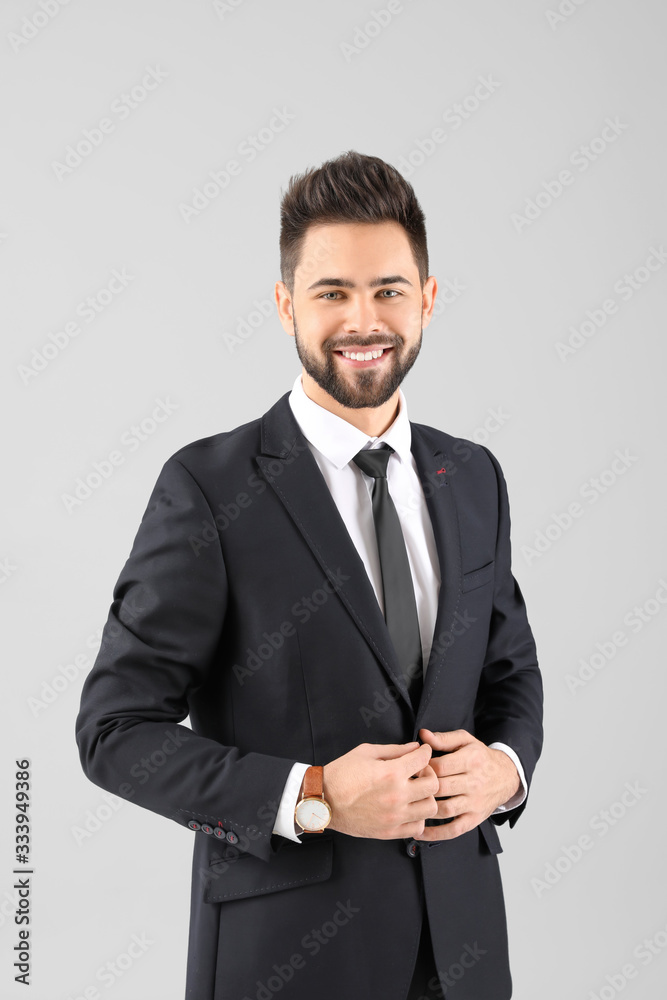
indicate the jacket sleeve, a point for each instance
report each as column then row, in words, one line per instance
column 509, row 703
column 161, row 635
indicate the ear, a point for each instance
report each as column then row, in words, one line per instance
column 284, row 306
column 428, row 300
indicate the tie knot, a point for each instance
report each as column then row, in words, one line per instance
column 373, row 461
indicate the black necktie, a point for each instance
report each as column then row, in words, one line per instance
column 400, row 608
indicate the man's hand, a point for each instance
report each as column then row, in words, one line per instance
column 477, row 778
column 372, row 791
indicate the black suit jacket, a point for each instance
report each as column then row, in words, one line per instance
column 245, row 605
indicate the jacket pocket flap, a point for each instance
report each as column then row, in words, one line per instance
column 477, row 577
column 291, row 866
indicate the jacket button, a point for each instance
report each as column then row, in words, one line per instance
column 194, row 825
column 412, row 848
column 232, row 837
column 207, row 828
column 219, row 833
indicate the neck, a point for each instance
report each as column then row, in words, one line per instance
column 372, row 420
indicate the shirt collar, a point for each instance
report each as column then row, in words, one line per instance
column 339, row 440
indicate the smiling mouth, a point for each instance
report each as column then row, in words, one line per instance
column 365, row 357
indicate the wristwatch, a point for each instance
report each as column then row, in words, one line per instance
column 312, row 812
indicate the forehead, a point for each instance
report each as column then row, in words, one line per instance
column 363, row 246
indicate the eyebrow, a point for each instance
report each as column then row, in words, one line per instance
column 392, row 279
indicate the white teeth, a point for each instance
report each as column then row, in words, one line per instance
column 361, row 356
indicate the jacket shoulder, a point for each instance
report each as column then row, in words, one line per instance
column 472, row 469
column 207, row 453
column 461, row 452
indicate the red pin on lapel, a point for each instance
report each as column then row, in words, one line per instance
column 443, row 469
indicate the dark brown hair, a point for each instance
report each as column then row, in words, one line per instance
column 351, row 188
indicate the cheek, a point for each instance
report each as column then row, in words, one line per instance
column 404, row 319
column 315, row 327
column 411, row 316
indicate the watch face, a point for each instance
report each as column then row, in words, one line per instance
column 312, row 814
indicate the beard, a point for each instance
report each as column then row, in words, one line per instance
column 359, row 387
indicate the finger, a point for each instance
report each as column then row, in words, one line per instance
column 427, row 769
column 454, row 763
column 416, row 813
column 423, row 787
column 390, row 751
column 417, row 759
column 450, row 806
column 453, row 785
column 448, row 831
column 451, row 740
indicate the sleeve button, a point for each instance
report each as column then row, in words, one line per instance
column 194, row 825
column 232, row 838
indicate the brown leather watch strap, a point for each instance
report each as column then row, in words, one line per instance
column 313, row 781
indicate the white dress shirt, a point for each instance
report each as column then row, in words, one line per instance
column 334, row 442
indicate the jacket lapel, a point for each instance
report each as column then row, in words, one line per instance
column 436, row 484
column 287, row 464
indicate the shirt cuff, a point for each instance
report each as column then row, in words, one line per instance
column 520, row 795
column 286, row 825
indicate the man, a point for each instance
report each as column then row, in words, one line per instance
column 327, row 592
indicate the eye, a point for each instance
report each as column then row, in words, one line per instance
column 392, row 292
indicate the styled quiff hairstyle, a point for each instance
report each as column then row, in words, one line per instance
column 351, row 188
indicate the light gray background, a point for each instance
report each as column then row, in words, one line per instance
column 494, row 347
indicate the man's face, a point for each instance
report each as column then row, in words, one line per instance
column 357, row 290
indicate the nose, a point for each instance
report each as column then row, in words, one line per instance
column 361, row 316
